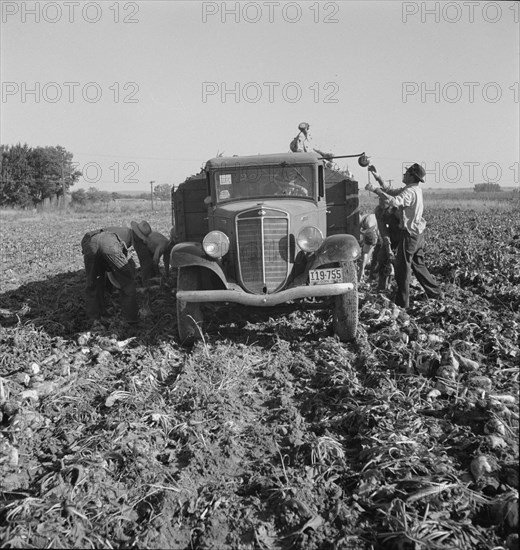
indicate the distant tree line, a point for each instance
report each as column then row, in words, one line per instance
column 93, row 195
column 487, row 187
column 29, row 175
column 162, row 191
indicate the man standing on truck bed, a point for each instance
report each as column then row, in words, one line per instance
column 302, row 143
column 410, row 251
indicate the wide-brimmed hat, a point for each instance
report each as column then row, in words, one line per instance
column 418, row 171
column 142, row 230
column 303, row 126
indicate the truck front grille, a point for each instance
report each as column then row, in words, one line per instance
column 263, row 249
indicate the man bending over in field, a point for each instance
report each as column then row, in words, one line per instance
column 160, row 247
column 106, row 252
column 410, row 251
column 379, row 239
column 369, row 240
column 388, row 226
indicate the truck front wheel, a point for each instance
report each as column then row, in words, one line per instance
column 345, row 314
column 189, row 315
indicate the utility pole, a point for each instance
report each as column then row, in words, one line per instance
column 63, row 204
column 151, row 191
column 62, row 188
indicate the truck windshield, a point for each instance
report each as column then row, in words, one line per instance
column 253, row 182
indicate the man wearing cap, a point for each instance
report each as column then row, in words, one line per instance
column 106, row 251
column 302, row 143
column 410, row 251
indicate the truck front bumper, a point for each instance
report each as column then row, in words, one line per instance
column 264, row 300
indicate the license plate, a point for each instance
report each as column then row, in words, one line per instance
column 325, row 276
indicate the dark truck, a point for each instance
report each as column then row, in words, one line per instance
column 263, row 230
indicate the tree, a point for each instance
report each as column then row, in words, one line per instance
column 52, row 166
column 17, row 176
column 30, row 175
column 79, row 197
column 162, row 191
column 105, row 196
column 93, row 194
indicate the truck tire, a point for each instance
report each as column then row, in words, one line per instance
column 189, row 314
column 345, row 314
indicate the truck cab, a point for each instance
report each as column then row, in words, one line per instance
column 263, row 230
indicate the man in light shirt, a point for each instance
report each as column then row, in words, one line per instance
column 303, row 143
column 410, row 251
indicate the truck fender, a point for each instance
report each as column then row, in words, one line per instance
column 336, row 248
column 193, row 255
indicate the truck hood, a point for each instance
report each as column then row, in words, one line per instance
column 294, row 206
column 301, row 213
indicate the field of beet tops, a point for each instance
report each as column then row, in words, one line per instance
column 269, row 433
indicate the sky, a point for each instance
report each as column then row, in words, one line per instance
column 147, row 91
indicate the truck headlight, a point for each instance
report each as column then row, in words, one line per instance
column 309, row 239
column 216, row 244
